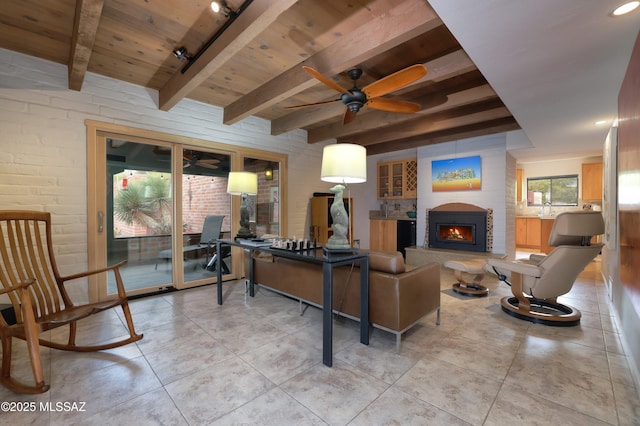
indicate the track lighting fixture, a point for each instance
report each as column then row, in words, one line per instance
column 222, row 6
column 182, row 54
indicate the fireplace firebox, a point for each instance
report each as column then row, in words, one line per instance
column 458, row 230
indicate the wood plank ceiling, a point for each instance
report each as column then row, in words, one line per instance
column 254, row 66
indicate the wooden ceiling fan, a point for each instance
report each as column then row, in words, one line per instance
column 198, row 159
column 191, row 158
column 370, row 95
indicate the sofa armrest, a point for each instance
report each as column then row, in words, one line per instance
column 400, row 300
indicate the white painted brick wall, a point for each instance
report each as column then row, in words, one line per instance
column 43, row 158
column 492, row 150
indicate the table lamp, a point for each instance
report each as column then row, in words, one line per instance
column 342, row 163
column 243, row 183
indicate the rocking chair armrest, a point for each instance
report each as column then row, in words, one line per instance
column 22, row 285
column 518, row 267
column 92, row 272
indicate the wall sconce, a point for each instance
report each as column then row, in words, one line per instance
column 268, row 172
column 342, row 164
column 243, row 183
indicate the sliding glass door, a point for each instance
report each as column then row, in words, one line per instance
column 158, row 199
column 152, row 195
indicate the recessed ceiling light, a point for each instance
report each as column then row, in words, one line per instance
column 601, row 122
column 625, row 8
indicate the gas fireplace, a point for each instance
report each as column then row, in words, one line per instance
column 458, row 230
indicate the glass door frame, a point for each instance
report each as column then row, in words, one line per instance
column 97, row 132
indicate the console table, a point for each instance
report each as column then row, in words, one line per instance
column 328, row 261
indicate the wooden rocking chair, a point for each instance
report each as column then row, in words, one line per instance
column 30, row 277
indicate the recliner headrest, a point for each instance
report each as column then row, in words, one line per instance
column 570, row 227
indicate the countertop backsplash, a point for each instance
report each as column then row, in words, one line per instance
column 523, row 210
column 393, row 209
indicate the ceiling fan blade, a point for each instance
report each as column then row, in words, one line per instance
column 326, row 80
column 348, row 117
column 209, row 160
column 393, row 105
column 395, row 81
column 207, row 165
column 311, row 105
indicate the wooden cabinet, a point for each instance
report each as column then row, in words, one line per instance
column 533, row 232
column 592, row 181
column 520, row 185
column 321, row 220
column 398, row 179
column 528, row 232
column 383, row 234
column 545, row 231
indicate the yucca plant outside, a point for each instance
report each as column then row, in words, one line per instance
column 146, row 202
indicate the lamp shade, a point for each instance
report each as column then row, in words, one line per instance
column 242, row 183
column 344, row 163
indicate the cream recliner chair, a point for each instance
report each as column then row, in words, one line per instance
column 536, row 283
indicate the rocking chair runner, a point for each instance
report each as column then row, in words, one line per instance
column 30, row 278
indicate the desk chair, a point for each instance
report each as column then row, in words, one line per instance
column 211, row 231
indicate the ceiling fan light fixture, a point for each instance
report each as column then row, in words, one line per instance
column 625, row 8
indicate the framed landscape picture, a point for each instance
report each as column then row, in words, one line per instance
column 456, row 174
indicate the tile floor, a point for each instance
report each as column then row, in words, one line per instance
column 257, row 361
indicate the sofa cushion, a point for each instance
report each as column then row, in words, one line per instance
column 390, row 262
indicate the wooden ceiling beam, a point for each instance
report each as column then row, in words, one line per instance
column 446, row 66
column 456, row 117
column 85, row 27
column 376, row 119
column 499, row 125
column 254, row 20
column 399, row 24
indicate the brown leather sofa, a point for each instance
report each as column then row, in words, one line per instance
column 399, row 295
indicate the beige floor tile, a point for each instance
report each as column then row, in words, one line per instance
column 619, row 369
column 514, row 406
column 274, row 408
column 570, row 387
column 208, row 395
column 282, row 359
column 627, row 404
column 395, row 407
column 151, row 409
column 460, row 392
column 335, row 394
column 380, row 359
column 196, row 354
column 103, row 389
column 568, row 354
column 479, row 357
